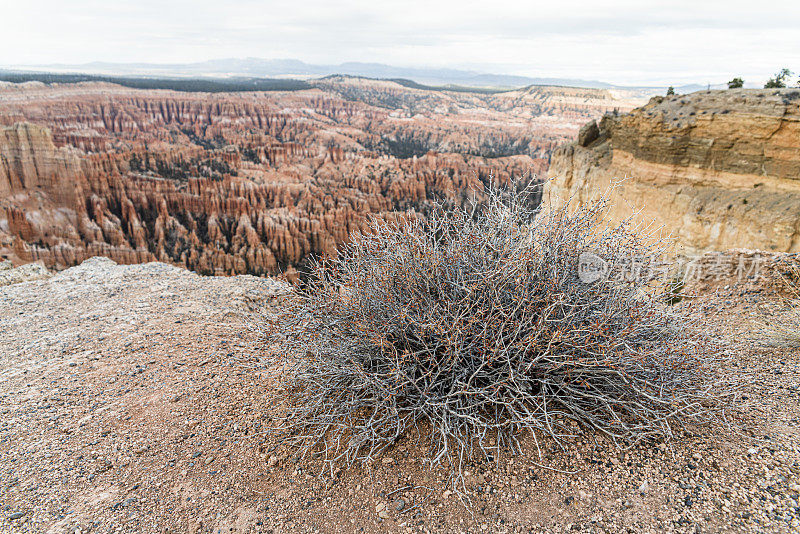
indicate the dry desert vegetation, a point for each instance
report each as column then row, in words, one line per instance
column 136, row 398
column 148, row 398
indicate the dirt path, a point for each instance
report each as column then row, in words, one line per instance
column 131, row 401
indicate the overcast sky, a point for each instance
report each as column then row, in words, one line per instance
column 618, row 41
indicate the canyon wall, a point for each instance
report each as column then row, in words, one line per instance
column 715, row 169
column 254, row 182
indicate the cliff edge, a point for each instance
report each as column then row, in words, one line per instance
column 717, row 169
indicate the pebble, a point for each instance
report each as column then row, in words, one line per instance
column 753, row 493
column 380, row 508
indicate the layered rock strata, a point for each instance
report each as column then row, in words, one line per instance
column 254, row 182
column 717, row 170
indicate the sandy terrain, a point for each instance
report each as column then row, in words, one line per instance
column 132, row 401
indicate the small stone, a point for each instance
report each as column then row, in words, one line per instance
column 380, row 507
column 388, row 460
column 399, row 504
column 273, row 461
column 697, row 456
column 16, row 515
column 447, row 493
column 197, row 454
column 383, row 514
column 208, row 460
column 644, row 487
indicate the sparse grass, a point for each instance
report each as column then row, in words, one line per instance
column 475, row 324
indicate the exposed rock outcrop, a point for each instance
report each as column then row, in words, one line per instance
column 717, row 169
column 588, row 133
column 253, row 182
column 214, row 225
column 29, row 160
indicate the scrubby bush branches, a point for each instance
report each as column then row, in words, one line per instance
column 475, row 324
column 783, row 331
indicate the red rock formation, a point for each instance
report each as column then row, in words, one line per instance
column 244, row 182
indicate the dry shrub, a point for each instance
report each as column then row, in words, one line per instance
column 783, row 331
column 475, row 325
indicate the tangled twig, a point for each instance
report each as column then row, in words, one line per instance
column 476, row 324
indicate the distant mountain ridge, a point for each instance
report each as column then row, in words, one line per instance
column 293, row 68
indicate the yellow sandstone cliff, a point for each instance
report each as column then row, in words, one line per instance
column 717, row 169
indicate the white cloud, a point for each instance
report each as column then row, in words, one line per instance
column 620, row 41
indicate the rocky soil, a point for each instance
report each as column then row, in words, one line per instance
column 132, row 401
column 14, row 275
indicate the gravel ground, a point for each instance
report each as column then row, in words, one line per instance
column 132, row 401
column 14, row 275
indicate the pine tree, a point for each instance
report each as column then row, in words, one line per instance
column 779, row 80
column 736, row 83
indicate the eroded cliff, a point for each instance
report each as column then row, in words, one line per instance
column 716, row 169
column 254, row 182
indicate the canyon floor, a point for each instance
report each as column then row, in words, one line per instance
column 132, row 400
